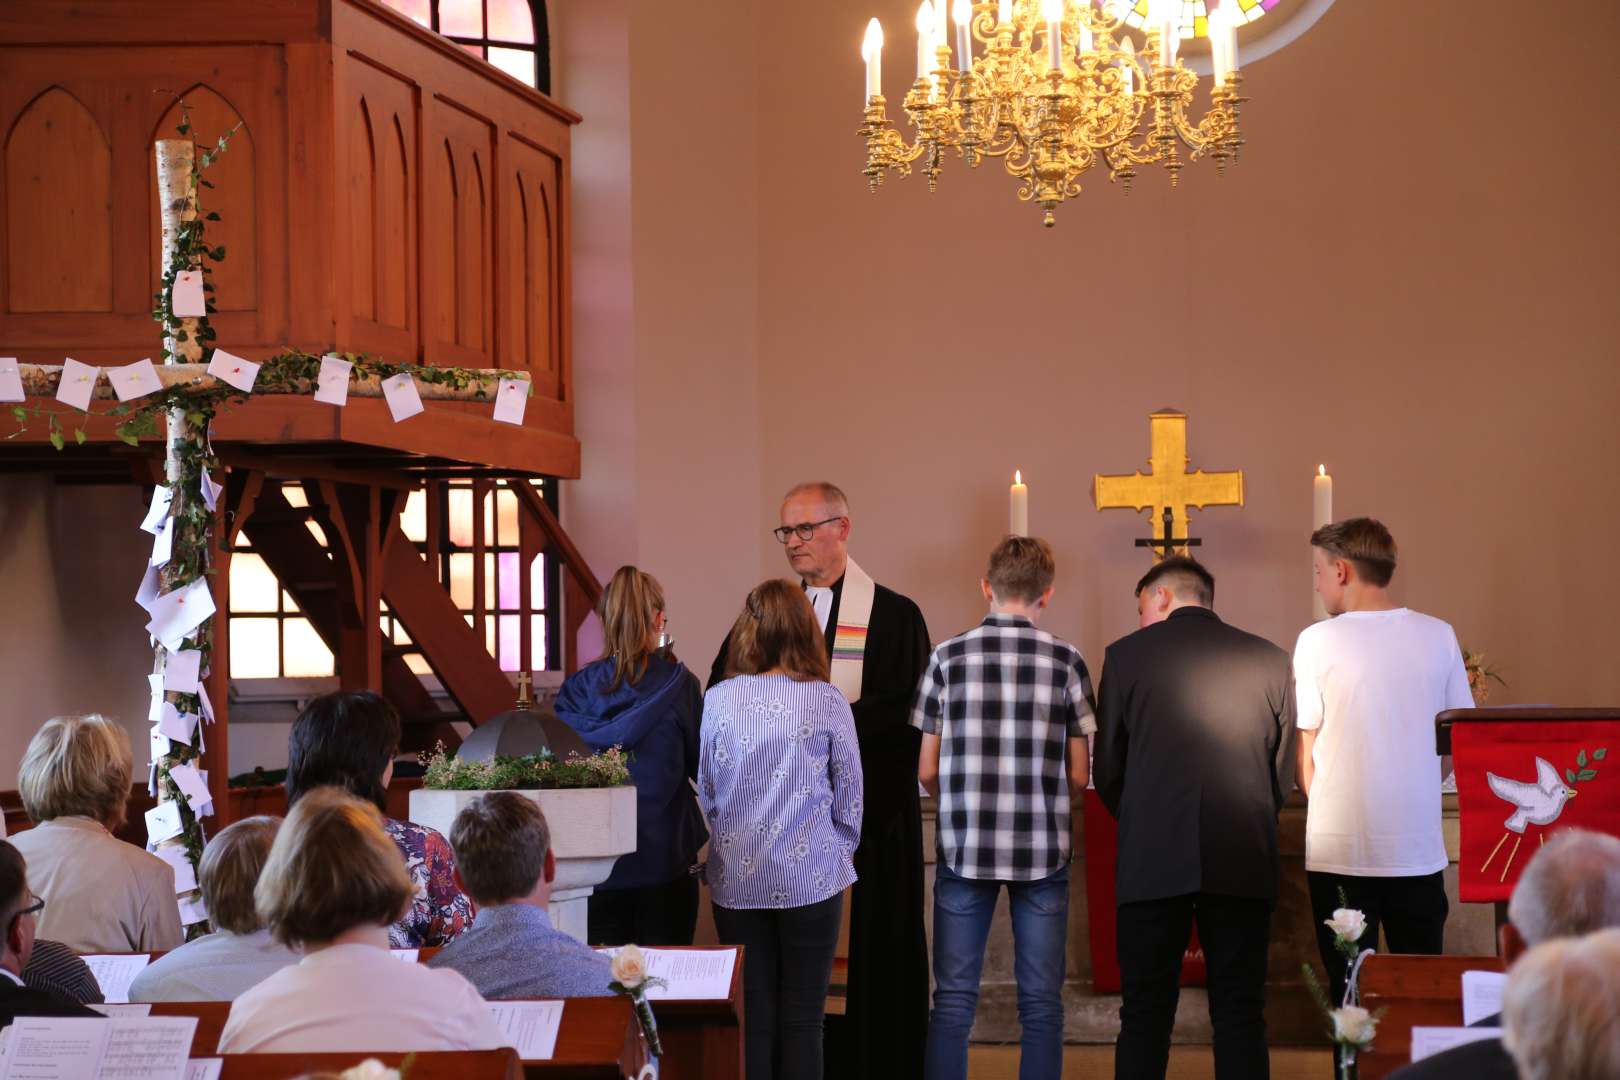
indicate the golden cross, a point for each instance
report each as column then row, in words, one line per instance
column 1169, row 484
column 525, row 683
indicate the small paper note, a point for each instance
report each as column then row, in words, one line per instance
column 410, row 956
column 159, row 744
column 1481, row 995
column 187, row 300
column 114, row 972
column 400, row 392
column 185, row 875
column 11, row 387
column 192, row 910
column 78, row 383
column 204, row 1068
column 530, row 1026
column 202, row 699
column 158, row 509
column 148, row 592
column 210, row 491
column 175, row 725
column 511, row 398
column 154, row 682
column 163, row 823
column 134, row 380
column 180, row 671
column 163, row 544
column 1428, row 1041
column 192, row 784
column 332, row 384
column 233, row 369
column 176, row 614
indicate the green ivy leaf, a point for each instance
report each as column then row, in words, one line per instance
column 20, row 413
column 57, row 440
column 80, row 436
column 1569, row 775
column 127, row 436
column 1580, row 759
column 1600, row 753
column 1586, row 774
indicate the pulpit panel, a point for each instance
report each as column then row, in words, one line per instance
column 532, row 297
column 458, row 278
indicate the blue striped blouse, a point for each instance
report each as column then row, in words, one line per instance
column 779, row 779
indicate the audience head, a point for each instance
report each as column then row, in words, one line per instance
column 815, row 531
column 1558, row 1010
column 632, row 614
column 347, row 740
column 17, row 909
column 331, row 869
column 503, row 850
column 1570, row 887
column 229, row 872
column 77, row 766
column 1176, row 582
column 1020, row 573
column 778, row 629
column 1357, row 553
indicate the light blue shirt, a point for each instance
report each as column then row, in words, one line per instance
column 513, row 951
column 779, row 779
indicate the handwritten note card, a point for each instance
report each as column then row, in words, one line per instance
column 11, row 387
column 511, row 398
column 192, row 784
column 192, row 909
column 115, row 971
column 78, row 383
column 163, row 822
column 530, row 1026
column 185, row 875
column 134, row 380
column 210, row 490
column 158, row 509
column 332, row 384
column 400, row 393
column 177, row 613
column 163, row 543
column 233, row 369
column 187, row 300
column 180, row 671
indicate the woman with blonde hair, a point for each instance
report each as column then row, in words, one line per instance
column 780, row 782
column 103, row 895
column 331, row 888
column 640, row 698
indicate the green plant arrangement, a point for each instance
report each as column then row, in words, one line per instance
column 543, row 771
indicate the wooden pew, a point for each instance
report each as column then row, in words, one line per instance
column 1417, row 991
column 447, row 1065
column 599, row 1039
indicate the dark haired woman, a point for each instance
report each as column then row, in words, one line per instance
column 649, row 704
column 780, row 782
column 349, row 740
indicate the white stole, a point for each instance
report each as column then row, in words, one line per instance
column 849, row 636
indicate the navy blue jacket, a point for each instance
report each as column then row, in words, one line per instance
column 656, row 721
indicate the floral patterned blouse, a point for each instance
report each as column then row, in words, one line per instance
column 440, row 911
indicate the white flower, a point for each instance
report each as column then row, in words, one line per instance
column 369, row 1069
column 1347, row 923
column 629, row 967
column 1354, row 1026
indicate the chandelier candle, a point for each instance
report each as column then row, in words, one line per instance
column 872, row 53
column 925, row 39
column 1054, row 35
column 962, row 14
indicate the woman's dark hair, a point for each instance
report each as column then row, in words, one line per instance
column 344, row 740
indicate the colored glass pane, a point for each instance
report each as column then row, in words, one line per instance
column 1193, row 16
column 511, row 20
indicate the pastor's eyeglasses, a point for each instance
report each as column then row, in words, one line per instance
column 805, row 531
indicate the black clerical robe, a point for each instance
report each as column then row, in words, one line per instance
column 886, row 1012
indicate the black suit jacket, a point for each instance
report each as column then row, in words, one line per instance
column 1194, row 755
column 18, row 1001
column 1483, row 1060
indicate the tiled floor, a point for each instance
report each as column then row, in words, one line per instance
column 1186, row 1063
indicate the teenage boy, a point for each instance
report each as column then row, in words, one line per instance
column 1004, row 710
column 1368, row 683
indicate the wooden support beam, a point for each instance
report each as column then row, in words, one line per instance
column 582, row 593
column 217, row 736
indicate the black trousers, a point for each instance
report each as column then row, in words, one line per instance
column 655, row 915
column 787, row 966
column 1410, row 910
column 1234, row 932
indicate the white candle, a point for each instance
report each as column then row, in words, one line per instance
column 1004, row 13
column 1217, row 45
column 1084, row 43
column 925, row 39
column 1020, row 505
column 1229, row 27
column 1054, row 34
column 872, row 51
column 942, row 30
column 1127, row 70
column 1162, row 14
column 963, row 14
column 1321, row 514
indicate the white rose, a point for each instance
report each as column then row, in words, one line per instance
column 1354, row 1025
column 1348, row 923
column 369, row 1069
column 629, row 967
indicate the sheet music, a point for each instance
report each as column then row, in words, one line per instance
column 153, row 1048
column 115, row 971
column 692, row 974
column 1481, row 995
column 1428, row 1041
column 531, row 1026
column 75, row 1048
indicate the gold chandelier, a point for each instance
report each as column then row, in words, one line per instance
column 1057, row 88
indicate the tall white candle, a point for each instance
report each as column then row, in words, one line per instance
column 1054, row 34
column 1163, row 15
column 1127, row 71
column 942, row 30
column 925, row 40
column 1020, row 505
column 1084, row 43
column 1217, row 45
column 872, row 51
column 1321, row 514
column 963, row 14
column 1004, row 12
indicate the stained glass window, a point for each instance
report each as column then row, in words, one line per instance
column 1195, row 14
column 510, row 34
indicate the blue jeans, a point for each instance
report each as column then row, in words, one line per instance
column 1040, row 922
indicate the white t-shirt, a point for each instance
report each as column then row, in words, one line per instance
column 1370, row 683
column 357, row 998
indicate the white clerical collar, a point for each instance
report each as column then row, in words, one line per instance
column 821, row 598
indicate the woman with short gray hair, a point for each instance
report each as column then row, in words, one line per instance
column 1559, row 1013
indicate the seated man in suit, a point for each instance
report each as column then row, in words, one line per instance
column 1194, row 745
column 18, row 908
column 1570, row 888
column 504, row 862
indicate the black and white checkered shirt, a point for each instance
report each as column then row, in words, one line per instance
column 1004, row 698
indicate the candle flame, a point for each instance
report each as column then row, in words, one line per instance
column 1018, row 477
column 925, row 18
column 874, row 40
column 962, row 12
column 1052, row 10
column 1321, row 470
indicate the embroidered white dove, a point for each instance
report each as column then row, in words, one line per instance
column 1539, row 803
